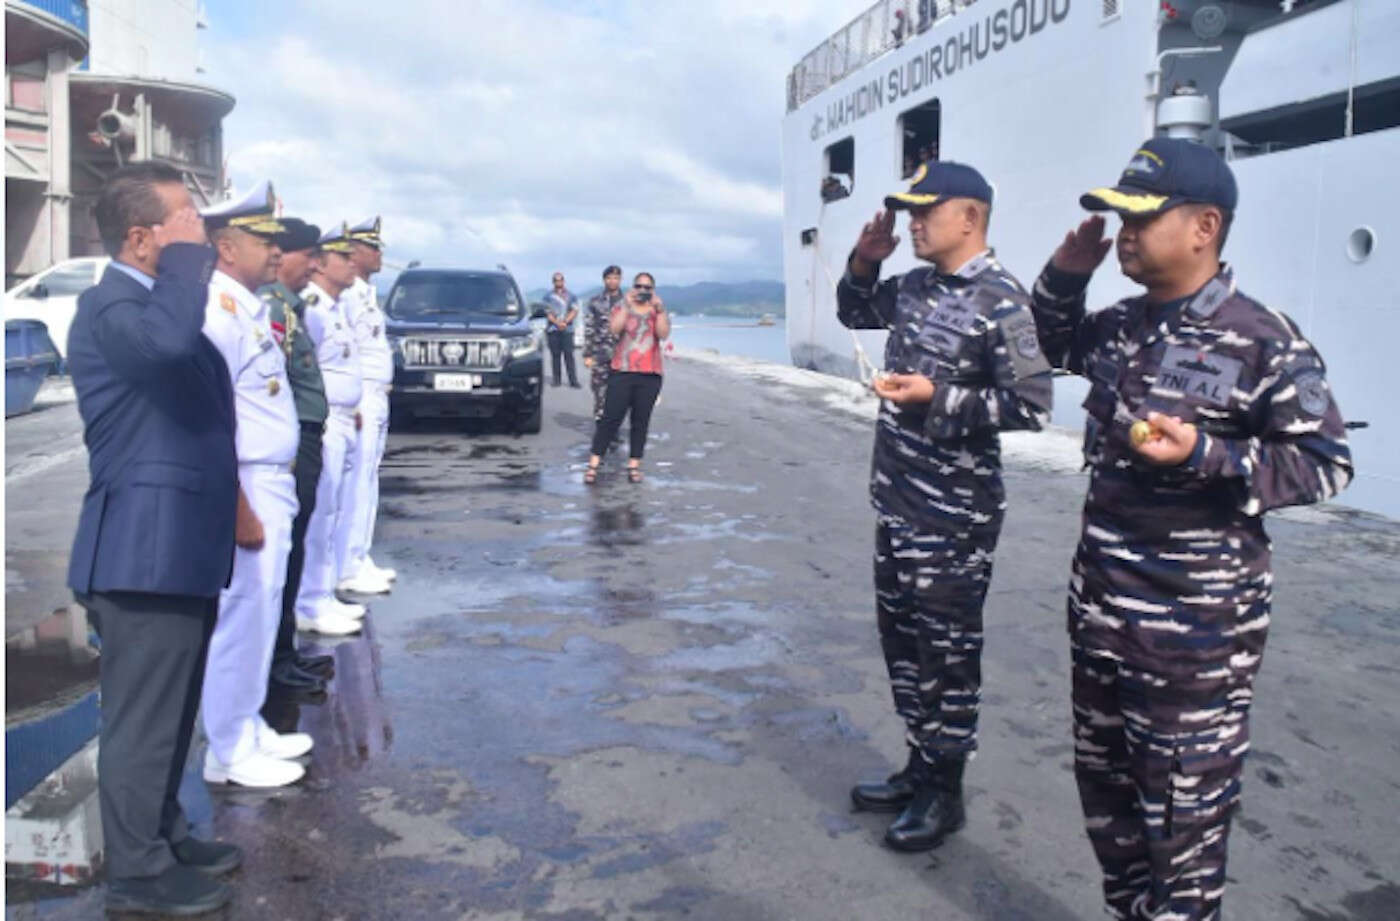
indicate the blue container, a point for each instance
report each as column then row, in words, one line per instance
column 30, row 357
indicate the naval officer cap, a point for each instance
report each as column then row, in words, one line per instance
column 255, row 212
column 367, row 231
column 1164, row 173
column 296, row 235
column 336, row 239
column 939, row 180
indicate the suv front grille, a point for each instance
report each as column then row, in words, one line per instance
column 477, row 354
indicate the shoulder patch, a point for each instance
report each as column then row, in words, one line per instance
column 1313, row 395
column 227, row 302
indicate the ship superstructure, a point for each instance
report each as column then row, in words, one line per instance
column 1048, row 97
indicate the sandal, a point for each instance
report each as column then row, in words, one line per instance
column 634, row 474
column 590, row 475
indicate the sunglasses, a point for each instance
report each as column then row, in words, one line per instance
column 645, row 287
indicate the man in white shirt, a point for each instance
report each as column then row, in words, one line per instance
column 360, row 574
column 317, row 608
column 243, row 749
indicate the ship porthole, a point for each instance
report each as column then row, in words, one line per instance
column 1361, row 244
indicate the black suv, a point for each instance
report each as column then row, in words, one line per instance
column 463, row 346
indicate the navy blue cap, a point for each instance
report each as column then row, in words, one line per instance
column 938, row 180
column 296, row 235
column 1164, row 173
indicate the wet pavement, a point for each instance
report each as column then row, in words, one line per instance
column 647, row 702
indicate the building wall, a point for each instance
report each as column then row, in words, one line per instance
column 149, row 38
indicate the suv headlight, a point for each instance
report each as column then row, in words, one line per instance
column 521, row 346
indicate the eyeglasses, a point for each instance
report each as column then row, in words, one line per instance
column 645, row 287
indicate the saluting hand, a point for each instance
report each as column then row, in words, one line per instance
column 1083, row 248
column 903, row 389
column 184, row 226
column 877, row 241
column 1170, row 442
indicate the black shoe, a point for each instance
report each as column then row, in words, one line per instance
column 896, row 792
column 320, row 666
column 180, row 891
column 212, row 858
column 576, row 385
column 935, row 812
column 286, row 677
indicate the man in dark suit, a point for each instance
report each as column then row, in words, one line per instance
column 157, row 529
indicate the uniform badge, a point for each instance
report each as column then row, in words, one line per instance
column 1027, row 343
column 273, row 387
column 229, row 305
column 1312, row 392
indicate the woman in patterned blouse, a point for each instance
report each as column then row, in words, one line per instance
column 640, row 324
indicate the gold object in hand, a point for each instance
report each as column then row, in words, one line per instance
column 1141, row 433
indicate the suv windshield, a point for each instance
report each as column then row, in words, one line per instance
column 432, row 295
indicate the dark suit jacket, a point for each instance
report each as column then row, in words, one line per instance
column 157, row 408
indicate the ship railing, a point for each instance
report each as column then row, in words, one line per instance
column 883, row 27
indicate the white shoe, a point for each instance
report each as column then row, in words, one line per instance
column 365, row 582
column 329, row 624
column 256, row 770
column 387, row 573
column 283, row 745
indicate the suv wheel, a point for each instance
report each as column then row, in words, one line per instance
column 530, row 421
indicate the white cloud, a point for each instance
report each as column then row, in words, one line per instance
column 546, row 137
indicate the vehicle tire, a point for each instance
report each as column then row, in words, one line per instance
column 531, row 421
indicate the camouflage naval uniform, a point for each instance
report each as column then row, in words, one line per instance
column 936, row 479
column 599, row 343
column 1170, row 587
column 286, row 310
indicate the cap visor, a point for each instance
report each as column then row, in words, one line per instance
column 905, row 200
column 1123, row 200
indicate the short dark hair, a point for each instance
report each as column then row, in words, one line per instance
column 647, row 274
column 128, row 199
column 612, row 270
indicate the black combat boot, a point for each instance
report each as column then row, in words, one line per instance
column 934, row 812
column 896, row 792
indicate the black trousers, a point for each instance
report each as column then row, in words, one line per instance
column 154, row 648
column 307, row 474
column 561, row 345
column 628, row 391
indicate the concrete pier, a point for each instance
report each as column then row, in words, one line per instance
column 649, row 702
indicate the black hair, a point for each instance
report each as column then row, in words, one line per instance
column 647, row 274
column 129, row 199
column 612, row 270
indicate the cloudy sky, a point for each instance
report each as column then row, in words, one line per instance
column 539, row 134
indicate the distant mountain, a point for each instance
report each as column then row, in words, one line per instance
column 716, row 298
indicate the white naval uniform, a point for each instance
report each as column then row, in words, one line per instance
column 339, row 357
column 240, row 649
column 377, row 367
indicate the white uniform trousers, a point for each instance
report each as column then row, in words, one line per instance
column 374, row 407
column 331, row 516
column 240, row 649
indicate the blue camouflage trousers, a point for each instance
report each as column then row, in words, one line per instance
column 1158, row 761
column 929, row 589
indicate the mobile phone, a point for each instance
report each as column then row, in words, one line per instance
column 643, row 297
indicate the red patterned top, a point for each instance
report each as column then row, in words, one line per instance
column 638, row 347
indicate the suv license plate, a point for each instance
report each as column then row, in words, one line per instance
column 455, row 382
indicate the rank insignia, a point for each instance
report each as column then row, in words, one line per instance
column 273, row 387
column 227, row 302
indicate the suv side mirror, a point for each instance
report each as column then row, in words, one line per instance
column 40, row 291
column 538, row 310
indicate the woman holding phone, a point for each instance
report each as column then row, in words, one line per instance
column 640, row 324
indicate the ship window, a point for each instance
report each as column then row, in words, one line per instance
column 839, row 177
column 919, row 127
